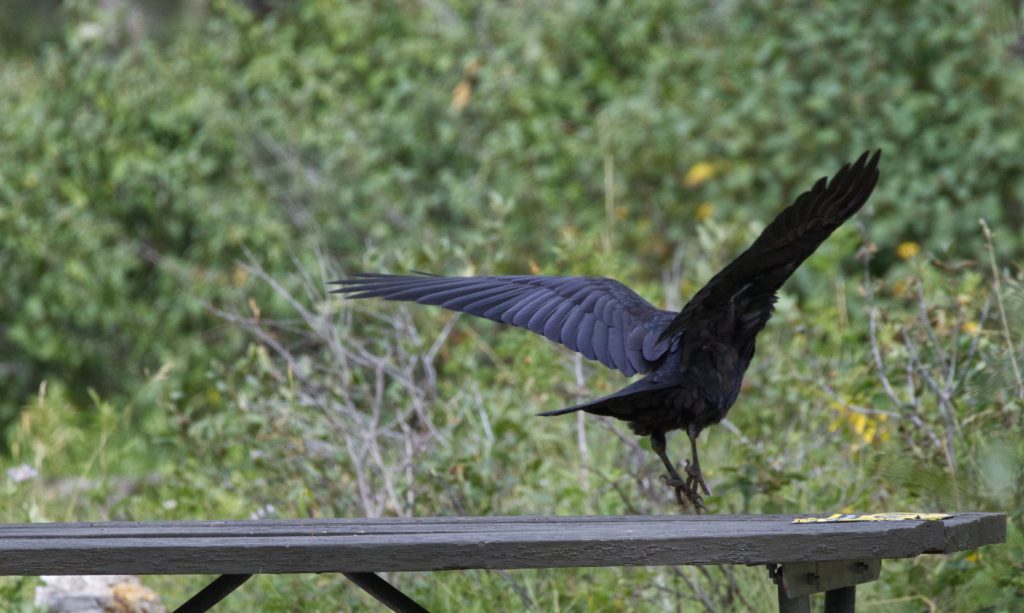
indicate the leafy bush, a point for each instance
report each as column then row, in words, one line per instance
column 136, row 174
column 170, row 208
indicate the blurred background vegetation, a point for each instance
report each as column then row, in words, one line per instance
column 178, row 181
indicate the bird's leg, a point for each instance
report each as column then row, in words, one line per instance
column 658, row 445
column 673, row 478
column 694, row 476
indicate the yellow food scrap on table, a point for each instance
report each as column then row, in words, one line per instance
column 846, row 517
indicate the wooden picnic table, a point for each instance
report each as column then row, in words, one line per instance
column 804, row 558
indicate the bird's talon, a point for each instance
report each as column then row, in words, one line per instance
column 686, row 492
column 696, row 500
column 695, row 477
column 674, row 481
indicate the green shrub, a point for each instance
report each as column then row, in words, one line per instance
column 171, row 205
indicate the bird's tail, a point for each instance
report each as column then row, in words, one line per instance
column 568, row 409
column 578, row 407
column 623, row 404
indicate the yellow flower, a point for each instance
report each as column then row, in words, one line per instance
column 901, row 288
column 699, row 173
column 239, row 275
column 461, row 94
column 464, row 90
column 705, row 211
column 859, row 421
column 870, row 430
column 971, row 327
column 907, row 250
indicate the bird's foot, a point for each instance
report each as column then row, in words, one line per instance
column 694, row 477
column 686, row 492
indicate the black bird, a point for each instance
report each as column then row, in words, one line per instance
column 694, row 359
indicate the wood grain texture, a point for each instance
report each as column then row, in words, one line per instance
column 445, row 543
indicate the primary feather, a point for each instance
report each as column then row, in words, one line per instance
column 600, row 318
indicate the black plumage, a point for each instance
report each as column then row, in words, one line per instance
column 695, row 359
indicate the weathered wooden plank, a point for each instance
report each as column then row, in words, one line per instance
column 294, row 526
column 308, row 527
column 667, row 527
column 966, row 528
column 460, row 543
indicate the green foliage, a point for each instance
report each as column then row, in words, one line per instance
column 335, row 126
column 171, row 205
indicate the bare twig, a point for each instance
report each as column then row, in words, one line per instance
column 581, row 426
column 607, row 236
column 1010, row 348
column 695, row 588
column 942, row 400
column 973, row 349
column 876, row 352
column 361, row 430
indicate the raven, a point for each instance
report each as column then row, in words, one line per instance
column 695, row 359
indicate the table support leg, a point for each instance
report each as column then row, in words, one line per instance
column 841, row 600
column 212, row 594
column 800, row 604
column 387, row 594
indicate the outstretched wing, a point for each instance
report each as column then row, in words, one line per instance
column 746, row 287
column 598, row 317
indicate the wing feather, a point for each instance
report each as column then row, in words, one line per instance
column 600, row 342
column 605, row 320
column 553, row 325
column 520, row 313
column 598, row 317
column 585, row 336
column 570, row 327
column 746, row 287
